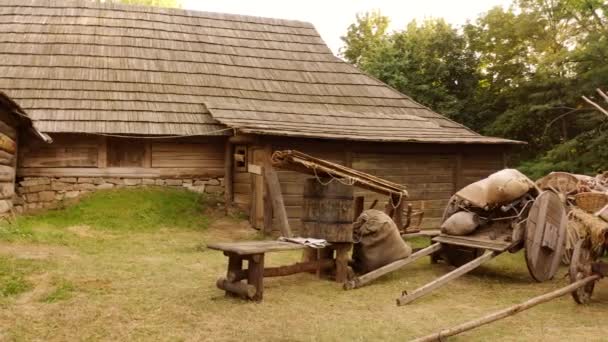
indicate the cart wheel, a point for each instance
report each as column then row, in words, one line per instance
column 458, row 255
column 545, row 236
column 562, row 183
column 580, row 268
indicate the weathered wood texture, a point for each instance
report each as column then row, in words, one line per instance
column 327, row 211
column 430, row 172
column 90, row 156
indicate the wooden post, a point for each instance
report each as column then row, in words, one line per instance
column 359, row 204
column 342, row 261
column 278, row 205
column 421, row 291
column 228, row 174
column 510, row 311
column 256, row 275
column 398, row 214
column 235, row 264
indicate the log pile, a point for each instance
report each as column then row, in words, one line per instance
column 8, row 149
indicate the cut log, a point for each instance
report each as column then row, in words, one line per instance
column 7, row 173
column 510, row 311
column 8, row 130
column 7, row 144
column 240, row 289
column 421, row 291
column 377, row 273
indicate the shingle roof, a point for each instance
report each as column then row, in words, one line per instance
column 82, row 66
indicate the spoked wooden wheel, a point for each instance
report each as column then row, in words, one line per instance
column 580, row 268
column 564, row 184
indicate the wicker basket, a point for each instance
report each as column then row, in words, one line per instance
column 591, row 202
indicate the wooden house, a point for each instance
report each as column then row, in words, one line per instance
column 140, row 95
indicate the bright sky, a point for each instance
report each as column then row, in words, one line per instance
column 332, row 17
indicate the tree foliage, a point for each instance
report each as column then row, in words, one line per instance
column 518, row 73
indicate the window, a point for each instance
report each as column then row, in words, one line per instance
column 126, row 152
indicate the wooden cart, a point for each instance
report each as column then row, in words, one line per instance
column 538, row 226
column 536, row 223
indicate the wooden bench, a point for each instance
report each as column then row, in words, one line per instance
column 254, row 251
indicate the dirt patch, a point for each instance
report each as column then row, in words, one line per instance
column 42, row 283
column 35, row 252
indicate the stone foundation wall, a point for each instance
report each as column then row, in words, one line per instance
column 34, row 193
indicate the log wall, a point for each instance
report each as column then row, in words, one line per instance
column 8, row 149
column 76, row 164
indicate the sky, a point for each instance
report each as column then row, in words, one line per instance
column 332, row 17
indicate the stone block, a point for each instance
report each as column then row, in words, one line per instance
column 46, row 196
column 213, row 182
column 60, row 186
column 7, row 190
column 159, row 181
column 98, row 181
column 30, row 198
column 85, row 186
column 35, row 182
column 187, row 181
column 115, row 181
column 196, row 188
column 105, row 186
column 72, row 194
column 86, row 180
column 173, row 182
column 35, row 188
column 147, row 181
column 18, row 209
column 214, row 189
column 67, row 179
column 132, row 181
column 199, row 182
column 59, row 197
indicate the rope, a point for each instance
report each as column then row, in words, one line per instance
column 350, row 181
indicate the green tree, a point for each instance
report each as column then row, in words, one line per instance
column 367, row 34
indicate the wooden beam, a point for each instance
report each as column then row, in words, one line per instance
column 359, row 207
column 228, row 174
column 421, row 291
column 510, row 311
column 244, row 139
column 458, row 174
column 377, row 273
column 122, row 172
column 278, row 205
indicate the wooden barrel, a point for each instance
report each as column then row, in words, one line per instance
column 327, row 211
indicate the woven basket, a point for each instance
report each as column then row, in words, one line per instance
column 591, row 201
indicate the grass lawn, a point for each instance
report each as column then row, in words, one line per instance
column 132, row 265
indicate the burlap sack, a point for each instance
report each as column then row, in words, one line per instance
column 379, row 242
column 460, row 223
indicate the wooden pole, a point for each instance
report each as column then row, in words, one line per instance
column 359, row 203
column 377, row 273
column 281, row 271
column 510, row 311
column 276, row 196
column 421, row 291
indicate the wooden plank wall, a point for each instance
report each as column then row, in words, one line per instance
column 77, row 155
column 431, row 173
column 429, row 179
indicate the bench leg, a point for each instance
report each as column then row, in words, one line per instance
column 235, row 265
column 255, row 275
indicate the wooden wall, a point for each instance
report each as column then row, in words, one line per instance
column 432, row 173
column 78, row 155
